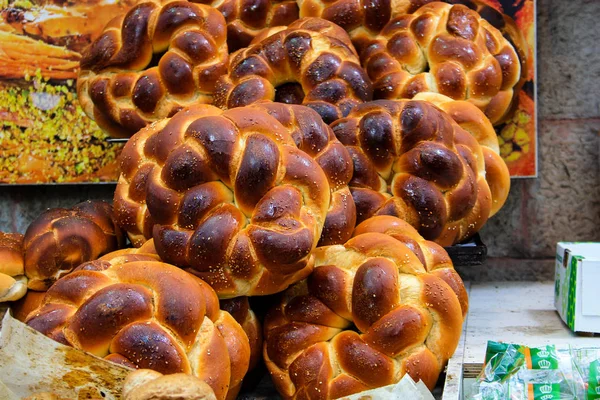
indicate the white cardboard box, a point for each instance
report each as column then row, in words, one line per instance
column 577, row 285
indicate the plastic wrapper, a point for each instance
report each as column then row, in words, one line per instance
column 406, row 388
column 517, row 372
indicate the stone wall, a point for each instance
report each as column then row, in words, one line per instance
column 562, row 204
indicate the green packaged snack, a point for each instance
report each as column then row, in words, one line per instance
column 517, row 372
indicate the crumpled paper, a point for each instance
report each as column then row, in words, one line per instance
column 407, row 388
column 31, row 363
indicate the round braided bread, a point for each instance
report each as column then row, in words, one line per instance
column 447, row 49
column 247, row 18
column 150, row 63
column 380, row 306
column 433, row 169
column 226, row 195
column 474, row 121
column 13, row 283
column 134, row 310
column 312, row 62
column 60, row 239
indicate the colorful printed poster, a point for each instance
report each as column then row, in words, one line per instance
column 45, row 136
column 518, row 135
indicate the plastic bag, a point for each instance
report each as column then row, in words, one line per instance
column 516, row 372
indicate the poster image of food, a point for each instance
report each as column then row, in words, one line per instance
column 518, row 135
column 45, row 135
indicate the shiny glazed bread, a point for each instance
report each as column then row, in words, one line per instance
column 411, row 160
column 474, row 121
column 247, row 18
column 226, row 195
column 150, row 63
column 373, row 310
column 316, row 138
column 131, row 309
column 13, row 283
column 447, row 49
column 60, row 239
column 240, row 310
column 312, row 62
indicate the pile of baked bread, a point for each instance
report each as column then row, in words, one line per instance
column 320, row 153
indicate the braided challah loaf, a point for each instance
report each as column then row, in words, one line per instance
column 447, row 49
column 226, row 195
column 474, row 121
column 132, row 309
column 60, row 239
column 13, row 283
column 312, row 62
column 150, row 63
column 316, row 138
column 371, row 311
column 247, row 18
column 433, row 169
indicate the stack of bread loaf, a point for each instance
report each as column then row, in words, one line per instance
column 320, row 151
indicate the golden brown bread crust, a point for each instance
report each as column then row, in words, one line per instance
column 247, row 18
column 226, row 195
column 60, row 239
column 144, row 313
column 474, row 121
column 316, row 138
column 149, row 63
column 240, row 310
column 370, row 312
column 412, row 161
column 145, row 384
column 312, row 62
column 13, row 283
column 448, row 49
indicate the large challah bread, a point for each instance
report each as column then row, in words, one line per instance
column 312, row 62
column 411, row 160
column 60, row 239
column 248, row 18
column 371, row 311
column 447, row 49
column 226, row 195
column 150, row 63
column 134, row 310
column 474, row 121
column 13, row 283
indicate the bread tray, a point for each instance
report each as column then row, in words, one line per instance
column 469, row 253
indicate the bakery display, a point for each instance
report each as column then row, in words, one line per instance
column 146, row 384
column 149, row 63
column 258, row 164
column 143, row 313
column 373, row 310
column 316, row 138
column 227, row 196
column 312, row 62
column 411, row 160
column 13, row 283
column 448, row 49
column 60, row 239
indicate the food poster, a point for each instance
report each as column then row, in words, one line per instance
column 518, row 135
column 46, row 137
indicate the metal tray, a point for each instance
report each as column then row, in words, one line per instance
column 468, row 253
